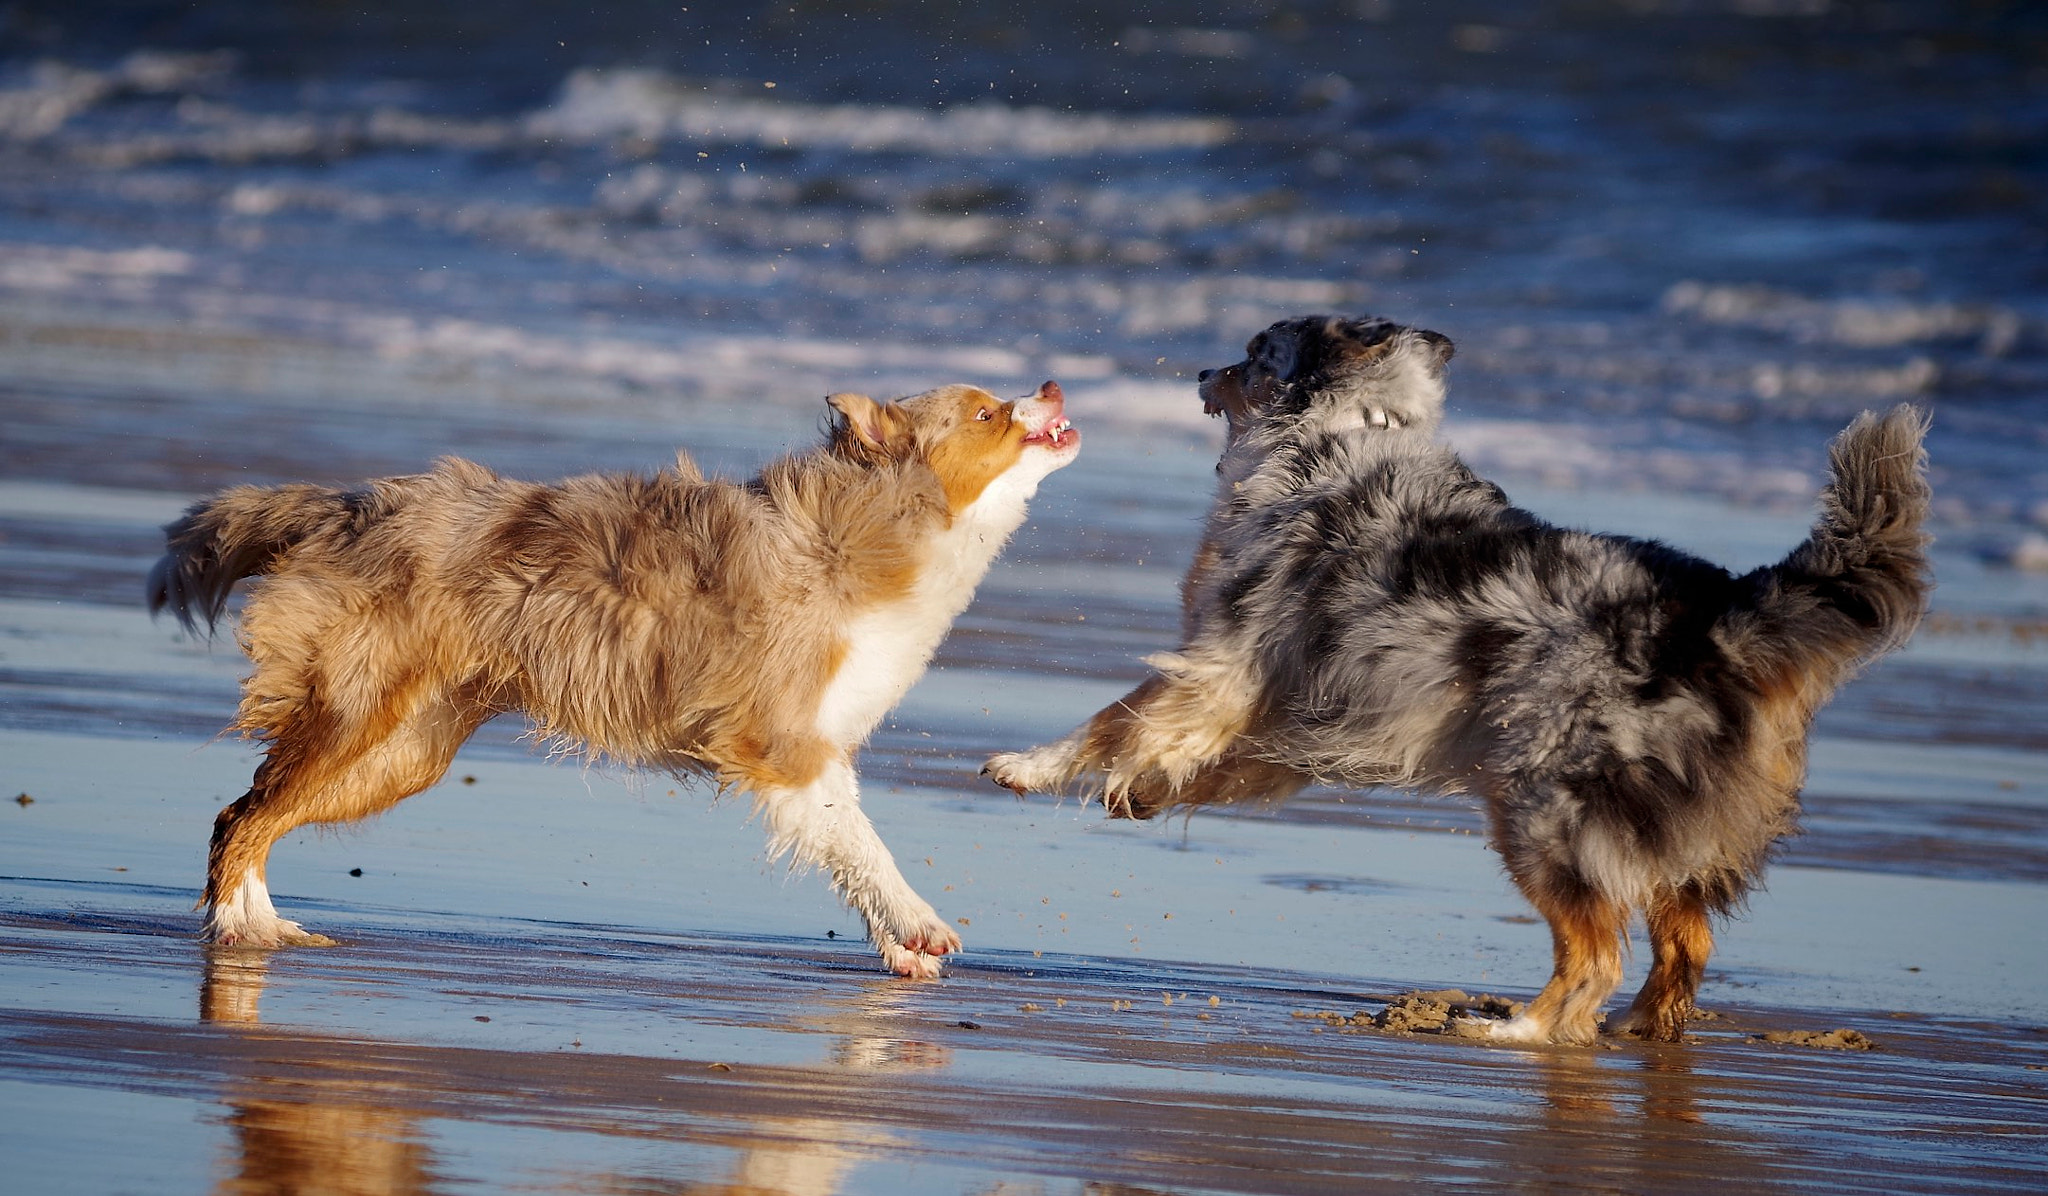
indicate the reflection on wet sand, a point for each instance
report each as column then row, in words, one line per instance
column 813, row 1156
column 1627, row 1120
column 342, row 1117
column 231, row 991
column 307, row 1139
column 1659, row 1085
column 329, row 1119
column 708, row 1072
column 346, row 1133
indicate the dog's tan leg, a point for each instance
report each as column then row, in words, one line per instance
column 310, row 776
column 1682, row 936
column 820, row 824
column 1586, row 936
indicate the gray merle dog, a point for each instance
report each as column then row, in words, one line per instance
column 1365, row 610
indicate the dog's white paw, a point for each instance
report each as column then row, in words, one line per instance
column 247, row 919
column 926, row 934
column 914, row 942
column 921, row 954
column 1515, row 1029
column 914, row 965
column 278, row 933
column 1040, row 769
column 1556, row 1032
column 1467, row 1026
column 1004, row 768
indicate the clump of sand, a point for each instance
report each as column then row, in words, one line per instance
column 1827, row 1040
column 1442, row 1011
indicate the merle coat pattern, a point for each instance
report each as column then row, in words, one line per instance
column 1365, row 609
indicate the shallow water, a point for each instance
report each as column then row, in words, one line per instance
column 1677, row 249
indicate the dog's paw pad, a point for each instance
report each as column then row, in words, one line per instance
column 913, row 965
column 944, row 944
column 932, row 937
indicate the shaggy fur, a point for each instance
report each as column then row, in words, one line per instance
column 754, row 632
column 1365, row 610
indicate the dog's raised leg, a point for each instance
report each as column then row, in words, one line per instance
column 821, row 825
column 1148, row 744
column 1682, row 936
column 1089, row 750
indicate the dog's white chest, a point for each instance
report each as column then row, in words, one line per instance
column 888, row 647
column 887, row 650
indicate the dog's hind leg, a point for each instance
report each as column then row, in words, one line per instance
column 1682, row 936
column 1586, row 934
column 312, row 775
column 820, row 824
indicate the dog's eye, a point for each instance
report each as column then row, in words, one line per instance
column 984, row 414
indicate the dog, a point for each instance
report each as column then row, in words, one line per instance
column 1364, row 609
column 751, row 632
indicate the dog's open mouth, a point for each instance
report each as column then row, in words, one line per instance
column 1052, row 433
column 1057, row 430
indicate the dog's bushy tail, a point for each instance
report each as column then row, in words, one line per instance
column 1858, row 586
column 238, row 533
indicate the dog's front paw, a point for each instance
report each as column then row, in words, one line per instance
column 1524, row 1028
column 1042, row 769
column 224, row 930
column 915, row 943
column 1665, row 1024
column 920, row 953
column 913, row 965
column 1006, row 769
column 932, row 937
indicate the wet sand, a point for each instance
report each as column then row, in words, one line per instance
column 567, row 979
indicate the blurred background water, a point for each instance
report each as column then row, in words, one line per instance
column 1702, row 231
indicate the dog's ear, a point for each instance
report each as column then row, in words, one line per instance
column 1438, row 342
column 867, row 428
column 1335, row 347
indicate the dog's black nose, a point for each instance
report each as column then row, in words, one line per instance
column 1204, row 375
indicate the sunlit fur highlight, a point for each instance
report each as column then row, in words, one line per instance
column 1363, row 609
column 754, row 632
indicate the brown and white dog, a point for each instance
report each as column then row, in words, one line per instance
column 1364, row 609
column 753, row 632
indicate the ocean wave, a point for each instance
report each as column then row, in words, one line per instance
column 49, row 93
column 1859, row 322
column 592, row 107
column 61, row 268
column 605, row 104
